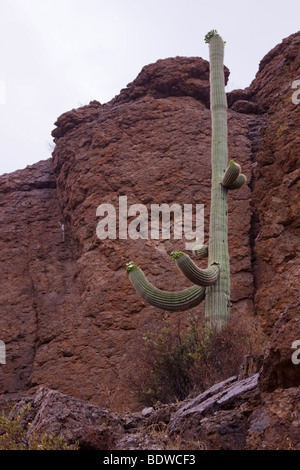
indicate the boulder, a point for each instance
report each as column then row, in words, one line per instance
column 81, row 423
column 219, row 416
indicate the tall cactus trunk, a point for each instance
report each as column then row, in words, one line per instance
column 212, row 283
column 217, row 296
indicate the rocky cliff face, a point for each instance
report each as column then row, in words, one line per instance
column 275, row 198
column 70, row 318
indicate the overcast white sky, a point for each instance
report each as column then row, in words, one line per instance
column 56, row 55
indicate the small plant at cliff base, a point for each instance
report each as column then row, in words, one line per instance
column 177, row 361
column 212, row 283
column 13, row 435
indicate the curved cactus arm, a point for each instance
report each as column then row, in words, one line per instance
column 241, row 180
column 201, row 252
column 200, row 277
column 172, row 301
column 231, row 174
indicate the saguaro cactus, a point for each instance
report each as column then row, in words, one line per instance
column 212, row 283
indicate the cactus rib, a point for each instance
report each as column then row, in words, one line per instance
column 200, row 277
column 172, row 301
column 241, row 180
column 231, row 174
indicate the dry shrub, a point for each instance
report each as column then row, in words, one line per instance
column 224, row 351
column 13, row 435
column 179, row 361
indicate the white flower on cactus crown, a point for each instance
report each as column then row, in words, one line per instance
column 2, row 353
column 296, row 94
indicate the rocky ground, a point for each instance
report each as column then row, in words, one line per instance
column 257, row 410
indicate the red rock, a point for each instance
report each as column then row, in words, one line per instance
column 275, row 196
column 280, row 369
column 275, row 425
column 70, row 318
